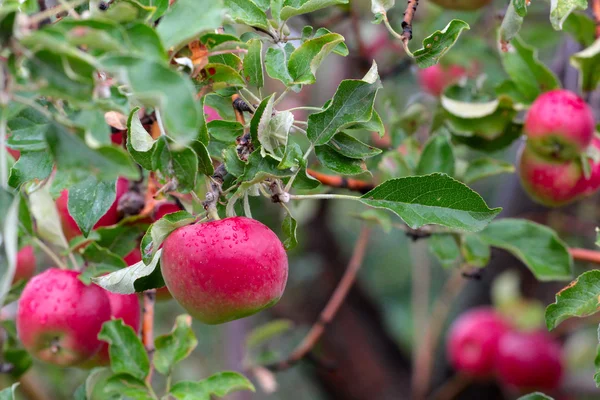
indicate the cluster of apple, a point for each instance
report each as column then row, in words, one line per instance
column 559, row 128
column 482, row 344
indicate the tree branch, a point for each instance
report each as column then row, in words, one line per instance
column 148, row 327
column 592, row 256
column 341, row 182
column 596, row 11
column 409, row 14
column 332, row 307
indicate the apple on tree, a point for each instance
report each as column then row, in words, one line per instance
column 25, row 264
column 436, row 78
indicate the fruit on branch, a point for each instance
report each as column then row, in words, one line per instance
column 463, row 5
column 473, row 339
column 25, row 264
column 436, row 78
column 554, row 182
column 126, row 307
column 210, row 114
column 163, row 209
column 59, row 317
column 111, row 216
column 529, row 360
column 224, row 270
column 559, row 124
column 134, row 257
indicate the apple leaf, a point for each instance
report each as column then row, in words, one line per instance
column 140, row 144
column 304, row 61
column 292, row 8
column 432, row 199
column 158, row 232
column 587, row 61
column 47, row 221
column 579, row 299
column 253, row 64
column 9, row 225
column 537, row 246
column 485, row 167
column 512, row 21
column 288, row 227
column 474, row 250
column 437, row 156
column 9, row 392
column 444, row 248
column 127, row 353
column 219, row 385
column 246, row 12
column 581, row 27
column 125, row 385
column 335, row 161
column 351, row 147
column 438, row 43
column 174, row 346
column 560, row 10
column 31, row 166
column 133, row 279
column 89, row 200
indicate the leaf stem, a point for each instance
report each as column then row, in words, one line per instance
column 246, row 101
column 397, row 35
column 326, row 196
column 282, row 96
column 247, row 210
column 308, row 108
column 252, row 96
column 168, row 384
column 50, row 253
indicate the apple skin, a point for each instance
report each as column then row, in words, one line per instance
column 462, row 5
column 436, row 78
column 59, row 317
column 559, row 124
column 25, row 264
column 473, row 339
column 224, row 270
column 210, row 114
column 529, row 360
column 111, row 216
column 163, row 209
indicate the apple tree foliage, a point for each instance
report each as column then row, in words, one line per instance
column 67, row 81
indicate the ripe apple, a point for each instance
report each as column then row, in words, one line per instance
column 224, row 270
column 436, row 78
column 25, row 264
column 126, row 307
column 59, row 317
column 473, row 341
column 163, row 209
column 559, row 124
column 111, row 216
column 529, row 360
column 462, row 5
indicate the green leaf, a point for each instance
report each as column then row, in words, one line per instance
column 304, row 61
column 47, row 222
column 9, row 217
column 351, row 147
column 89, row 200
column 579, row 299
column 124, row 385
column 330, row 158
column 218, row 385
column 560, row 10
column 511, row 133
column 288, row 227
column 253, row 64
column 581, row 27
column 296, row 7
column 468, row 102
column 438, row 43
column 292, row 157
column 119, row 239
column 233, row 164
column 158, row 232
column 257, row 116
column 246, row 12
column 27, row 130
column 127, row 353
column 180, row 165
column 432, row 199
column 9, row 392
column 351, row 103
column 485, row 167
column 381, row 6
column 99, row 260
column 135, row 278
column 32, row 165
column 273, row 128
column 530, row 75
column 175, row 346
column 437, row 156
column 520, row 7
column 222, row 76
column 276, row 64
column 537, row 246
column 587, row 61
column 187, row 19
column 259, row 168
column 341, row 49
column 205, row 165
column 139, row 142
column 75, row 158
column 156, row 85
column 512, row 21
column 474, row 250
column 444, row 248
column 263, row 333
column 535, row 396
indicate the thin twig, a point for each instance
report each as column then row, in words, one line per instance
column 592, row 256
column 433, row 330
column 409, row 14
column 50, row 253
column 43, row 15
column 332, row 307
column 148, row 327
column 596, row 11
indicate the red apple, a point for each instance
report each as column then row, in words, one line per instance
column 111, row 216
column 210, row 114
column 436, row 78
column 25, row 264
column 224, row 270
column 59, row 317
column 473, row 341
column 529, row 361
column 462, row 5
column 163, row 209
column 559, row 124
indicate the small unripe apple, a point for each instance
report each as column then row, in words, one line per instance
column 559, row 124
column 59, row 317
column 529, row 361
column 125, row 307
column 224, row 270
column 462, row 5
column 436, row 78
column 473, row 341
column 25, row 264
column 111, row 216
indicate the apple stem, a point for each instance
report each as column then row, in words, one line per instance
column 331, row 308
column 54, row 346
